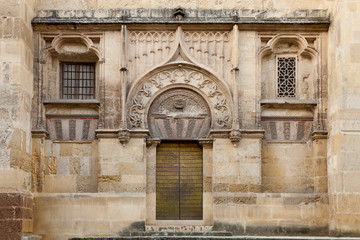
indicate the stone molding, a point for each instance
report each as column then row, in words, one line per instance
column 219, row 133
column 39, row 133
column 168, row 16
column 252, row 133
column 318, row 134
column 107, row 133
column 154, row 142
column 206, row 143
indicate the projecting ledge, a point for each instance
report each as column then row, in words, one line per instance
column 71, row 101
column 288, row 101
column 189, row 16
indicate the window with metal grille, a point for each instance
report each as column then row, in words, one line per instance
column 77, row 80
column 286, row 76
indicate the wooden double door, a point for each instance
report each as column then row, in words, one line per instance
column 179, row 181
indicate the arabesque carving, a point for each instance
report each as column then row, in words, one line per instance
column 181, row 76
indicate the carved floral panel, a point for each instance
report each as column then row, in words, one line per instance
column 182, row 77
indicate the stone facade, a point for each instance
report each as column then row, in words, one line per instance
column 268, row 89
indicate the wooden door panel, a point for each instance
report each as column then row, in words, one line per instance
column 179, row 181
column 167, row 182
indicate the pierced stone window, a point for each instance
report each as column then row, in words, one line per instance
column 77, row 80
column 286, row 76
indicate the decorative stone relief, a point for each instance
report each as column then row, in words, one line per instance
column 71, row 129
column 148, row 49
column 179, row 114
column 211, row 49
column 287, row 130
column 286, row 76
column 185, row 76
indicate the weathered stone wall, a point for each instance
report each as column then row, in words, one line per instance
column 16, row 84
column 287, row 168
column 70, row 167
column 16, row 62
column 122, row 168
column 343, row 150
column 272, row 214
column 236, row 169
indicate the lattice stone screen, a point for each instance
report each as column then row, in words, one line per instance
column 77, row 80
column 286, row 76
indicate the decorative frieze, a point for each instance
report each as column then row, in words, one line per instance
column 65, row 129
column 287, row 130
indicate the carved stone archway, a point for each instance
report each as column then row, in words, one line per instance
column 179, row 114
column 184, row 76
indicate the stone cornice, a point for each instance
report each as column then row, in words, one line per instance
column 191, row 16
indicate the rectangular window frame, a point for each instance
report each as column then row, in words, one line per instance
column 296, row 75
column 75, row 92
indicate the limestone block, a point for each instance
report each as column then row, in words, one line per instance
column 133, row 179
column 321, row 214
column 60, row 184
column 66, row 149
column 347, row 223
column 321, row 184
column 250, row 173
column 15, row 179
column 350, row 180
column 90, row 210
column 63, row 166
column 85, row 166
column 226, row 169
column 259, row 213
column 273, row 169
column 109, row 169
column 226, row 212
column 131, row 168
column 350, row 162
column 127, row 187
column 286, row 212
column 355, row 52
